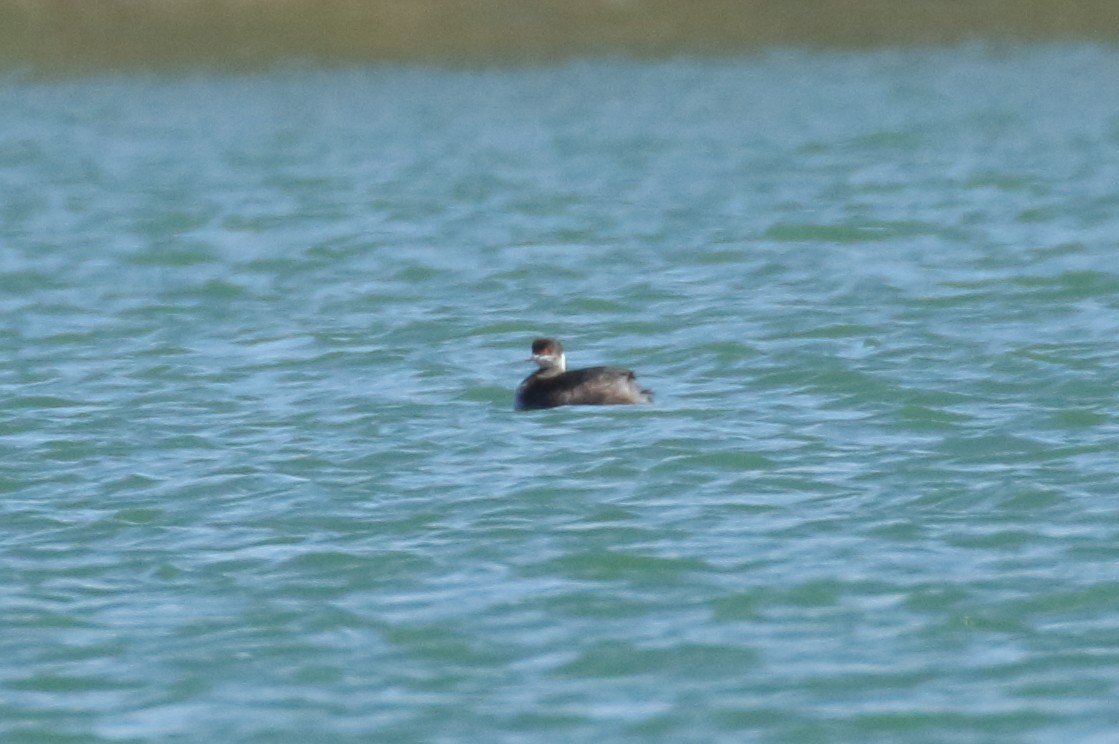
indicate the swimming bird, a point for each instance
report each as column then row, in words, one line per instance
column 553, row 385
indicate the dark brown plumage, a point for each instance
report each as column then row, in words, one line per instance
column 552, row 385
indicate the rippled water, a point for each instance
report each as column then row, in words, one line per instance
column 261, row 477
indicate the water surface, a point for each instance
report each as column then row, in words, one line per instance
column 261, row 476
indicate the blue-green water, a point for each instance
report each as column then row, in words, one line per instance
column 261, row 480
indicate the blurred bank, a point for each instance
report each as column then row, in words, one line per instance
column 65, row 35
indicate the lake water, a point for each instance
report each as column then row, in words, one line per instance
column 262, row 480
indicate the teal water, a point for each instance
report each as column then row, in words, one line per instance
column 261, row 480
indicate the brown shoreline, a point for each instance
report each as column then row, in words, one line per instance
column 69, row 35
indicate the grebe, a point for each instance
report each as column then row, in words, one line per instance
column 552, row 385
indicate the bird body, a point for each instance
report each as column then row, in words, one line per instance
column 553, row 385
